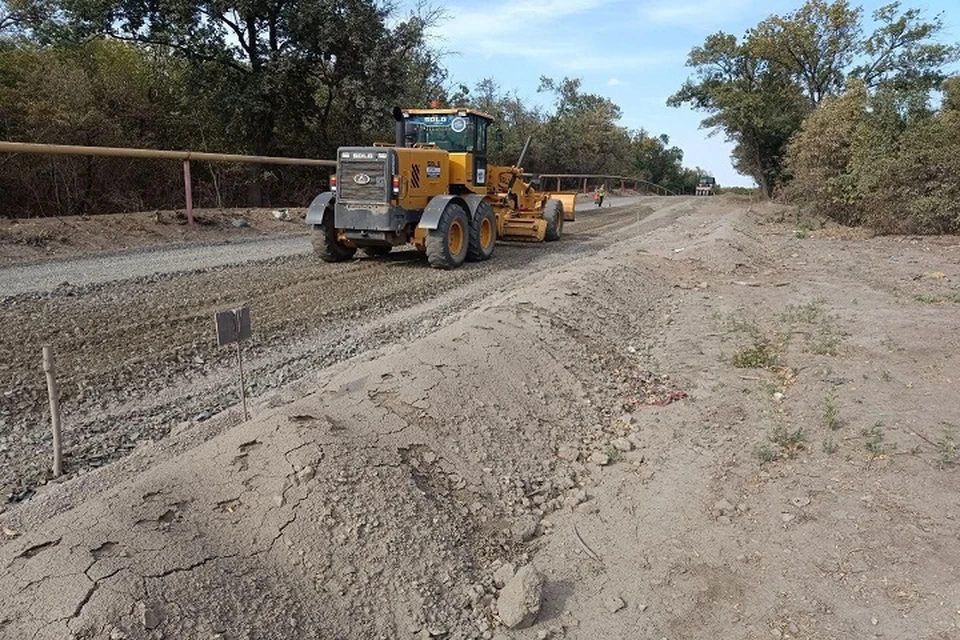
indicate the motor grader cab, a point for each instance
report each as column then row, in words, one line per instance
column 433, row 188
column 706, row 186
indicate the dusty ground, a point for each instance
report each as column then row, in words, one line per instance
column 698, row 425
column 39, row 239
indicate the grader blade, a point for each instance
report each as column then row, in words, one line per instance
column 569, row 200
column 522, row 230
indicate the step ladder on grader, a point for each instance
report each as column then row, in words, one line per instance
column 432, row 188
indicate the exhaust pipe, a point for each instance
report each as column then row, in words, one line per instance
column 400, row 128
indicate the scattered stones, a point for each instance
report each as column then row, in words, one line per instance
column 614, row 604
column 519, row 601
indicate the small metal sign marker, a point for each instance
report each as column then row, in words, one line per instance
column 233, row 326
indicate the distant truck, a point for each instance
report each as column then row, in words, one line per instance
column 707, row 186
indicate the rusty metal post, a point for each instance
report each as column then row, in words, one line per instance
column 188, row 188
column 54, row 395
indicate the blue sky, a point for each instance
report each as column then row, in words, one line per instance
column 633, row 52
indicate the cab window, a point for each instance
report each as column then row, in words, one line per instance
column 448, row 131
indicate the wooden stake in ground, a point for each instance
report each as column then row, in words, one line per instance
column 54, row 394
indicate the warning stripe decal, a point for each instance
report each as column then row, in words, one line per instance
column 415, row 176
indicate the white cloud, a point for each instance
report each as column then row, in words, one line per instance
column 692, row 13
column 615, row 82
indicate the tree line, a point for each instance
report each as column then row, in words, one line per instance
column 271, row 77
column 839, row 113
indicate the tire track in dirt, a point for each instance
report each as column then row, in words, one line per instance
column 137, row 358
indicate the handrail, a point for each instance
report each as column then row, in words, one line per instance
column 157, row 154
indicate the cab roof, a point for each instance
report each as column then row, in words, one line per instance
column 458, row 111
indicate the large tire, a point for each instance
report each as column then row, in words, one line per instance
column 483, row 233
column 325, row 242
column 447, row 245
column 553, row 216
column 377, row 251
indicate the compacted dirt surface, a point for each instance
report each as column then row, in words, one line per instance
column 684, row 420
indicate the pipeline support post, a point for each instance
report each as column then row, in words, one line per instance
column 188, row 189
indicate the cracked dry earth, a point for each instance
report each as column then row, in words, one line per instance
column 711, row 429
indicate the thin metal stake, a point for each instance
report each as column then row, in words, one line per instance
column 243, row 392
column 54, row 394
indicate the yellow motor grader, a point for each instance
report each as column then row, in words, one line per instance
column 432, row 188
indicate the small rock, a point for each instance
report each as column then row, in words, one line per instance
column 787, row 517
column 305, row 475
column 723, row 507
column 801, row 501
column 622, row 444
column 278, row 500
column 519, row 601
column 588, row 507
column 599, row 458
column 525, row 529
column 575, row 497
column 543, row 634
column 874, row 621
column 240, row 222
column 205, row 415
column 503, row 575
column 149, row 615
column 568, row 453
column 778, row 396
column 614, row 604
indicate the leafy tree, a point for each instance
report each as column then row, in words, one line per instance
column 815, row 45
column 759, row 90
column 752, row 100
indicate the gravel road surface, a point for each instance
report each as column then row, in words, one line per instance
column 77, row 272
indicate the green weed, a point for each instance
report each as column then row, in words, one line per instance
column 829, row 446
column 759, row 355
column 947, row 447
column 831, row 417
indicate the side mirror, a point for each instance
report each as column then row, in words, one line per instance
column 499, row 138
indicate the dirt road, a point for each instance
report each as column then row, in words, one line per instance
column 701, row 426
column 138, row 359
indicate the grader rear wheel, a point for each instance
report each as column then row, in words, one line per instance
column 447, row 245
column 483, row 233
column 325, row 241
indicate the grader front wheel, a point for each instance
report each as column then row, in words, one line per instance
column 483, row 234
column 447, row 245
column 553, row 216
